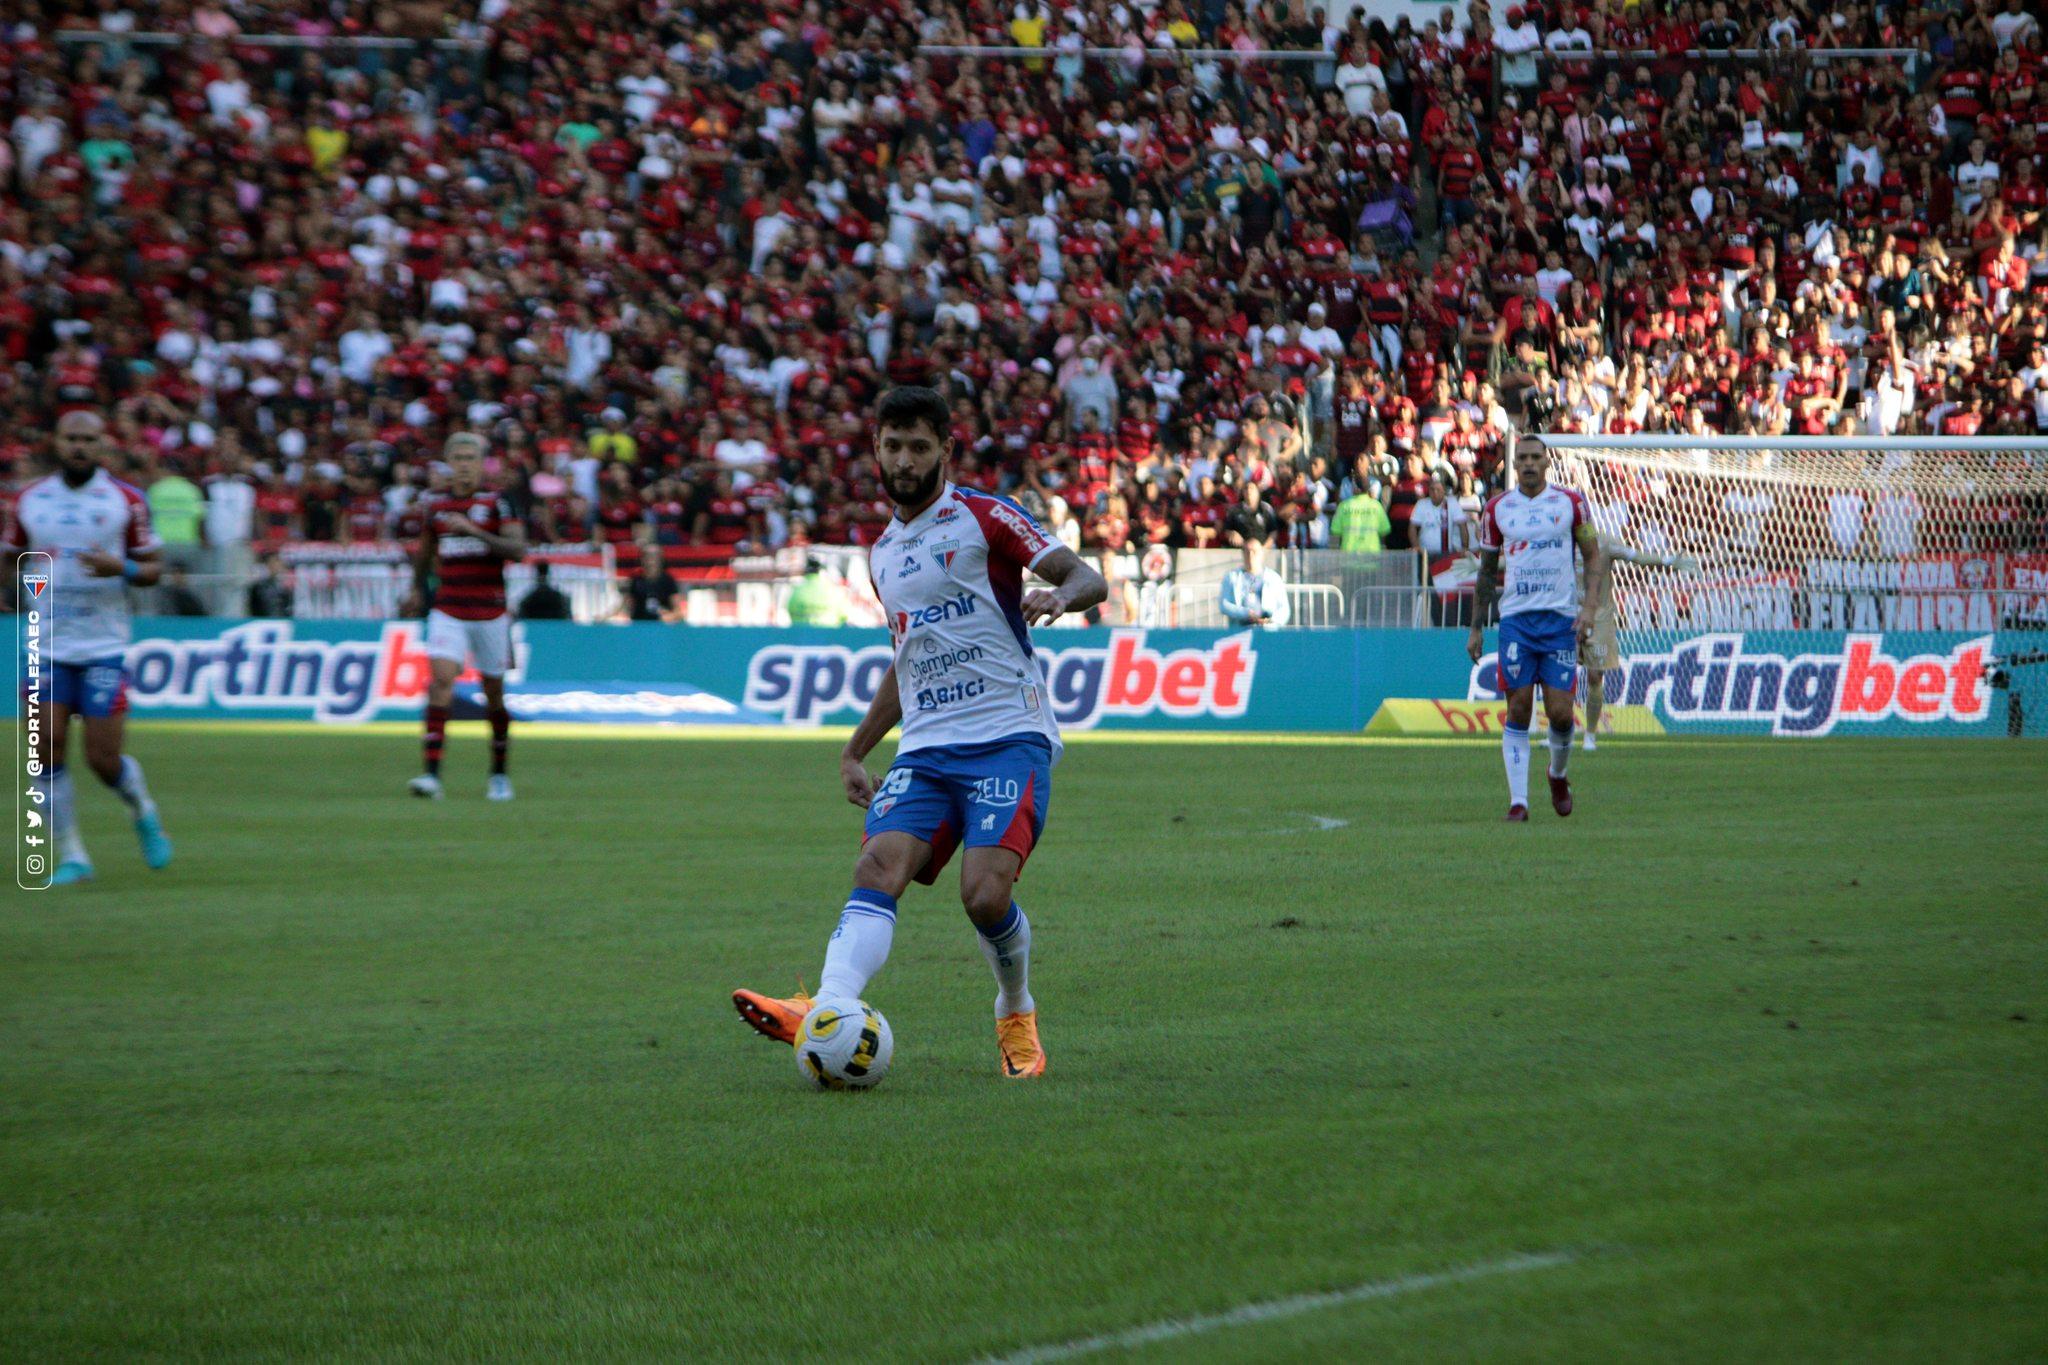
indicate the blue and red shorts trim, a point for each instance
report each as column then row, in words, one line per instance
column 1538, row 647
column 992, row 795
column 95, row 688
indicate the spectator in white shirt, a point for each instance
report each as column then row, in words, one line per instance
column 1439, row 526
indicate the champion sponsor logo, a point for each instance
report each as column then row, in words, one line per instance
column 938, row 662
column 261, row 667
column 807, row 684
column 1715, row 678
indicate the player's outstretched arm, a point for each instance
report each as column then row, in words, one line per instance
column 1076, row 587
column 883, row 713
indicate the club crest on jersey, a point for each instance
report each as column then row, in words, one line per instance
column 942, row 554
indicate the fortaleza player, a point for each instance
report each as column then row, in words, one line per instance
column 96, row 530
column 973, row 768
column 471, row 534
column 1539, row 536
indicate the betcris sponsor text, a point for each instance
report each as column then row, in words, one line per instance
column 1856, row 681
column 806, row 684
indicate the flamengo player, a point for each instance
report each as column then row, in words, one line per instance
column 974, row 765
column 470, row 535
column 96, row 530
column 1532, row 532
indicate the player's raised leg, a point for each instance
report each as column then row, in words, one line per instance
column 860, row 942
column 104, row 710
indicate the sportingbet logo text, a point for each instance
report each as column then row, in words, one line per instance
column 806, row 684
column 1713, row 678
column 261, row 667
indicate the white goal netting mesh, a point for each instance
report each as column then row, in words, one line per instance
column 1824, row 586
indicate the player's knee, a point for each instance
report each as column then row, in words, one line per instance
column 883, row 867
column 105, row 762
column 986, row 898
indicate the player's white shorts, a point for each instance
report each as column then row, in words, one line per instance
column 487, row 644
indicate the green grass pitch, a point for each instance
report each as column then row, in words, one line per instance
column 1758, row 1039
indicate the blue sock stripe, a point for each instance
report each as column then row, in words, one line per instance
column 1561, row 731
column 1514, row 730
column 853, row 908
column 881, row 901
column 1011, row 923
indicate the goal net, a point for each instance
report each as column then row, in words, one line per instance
column 1819, row 586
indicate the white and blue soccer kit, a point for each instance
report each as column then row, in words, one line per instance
column 88, row 612
column 974, row 766
column 1539, row 597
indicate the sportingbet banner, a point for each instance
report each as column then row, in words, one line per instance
column 1793, row 683
column 1808, row 683
column 352, row 671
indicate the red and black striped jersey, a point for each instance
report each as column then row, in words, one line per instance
column 472, row 577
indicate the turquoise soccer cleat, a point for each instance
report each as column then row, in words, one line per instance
column 71, row 870
column 156, row 845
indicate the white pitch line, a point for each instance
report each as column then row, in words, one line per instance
column 1295, row 1305
column 1324, row 824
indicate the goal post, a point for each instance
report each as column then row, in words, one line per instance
column 1809, row 586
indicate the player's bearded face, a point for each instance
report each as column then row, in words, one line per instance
column 912, row 461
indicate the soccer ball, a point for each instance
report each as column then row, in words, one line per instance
column 844, row 1045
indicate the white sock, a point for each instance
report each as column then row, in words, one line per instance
column 1560, row 749
column 64, row 817
column 1514, row 748
column 132, row 788
column 1008, row 949
column 859, row 946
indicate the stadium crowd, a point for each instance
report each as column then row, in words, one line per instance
column 664, row 255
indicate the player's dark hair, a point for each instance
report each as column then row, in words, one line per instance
column 911, row 404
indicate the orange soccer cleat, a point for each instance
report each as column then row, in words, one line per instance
column 1018, row 1046
column 777, row 1019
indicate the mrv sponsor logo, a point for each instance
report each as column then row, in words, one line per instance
column 263, row 667
column 1714, row 678
column 806, row 684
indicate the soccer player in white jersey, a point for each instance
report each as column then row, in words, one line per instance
column 1603, row 643
column 1533, row 540
column 96, row 530
column 973, row 768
